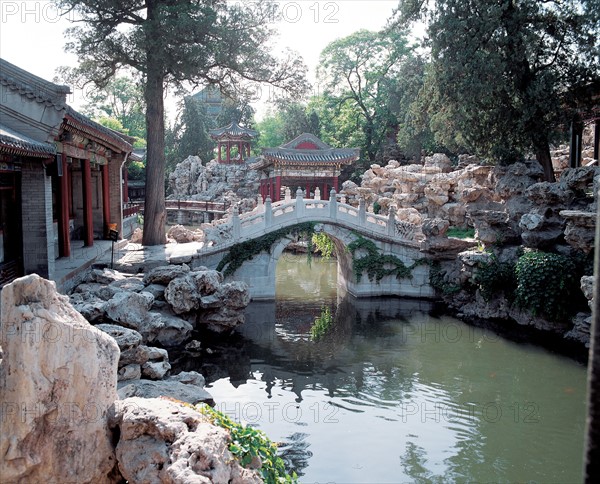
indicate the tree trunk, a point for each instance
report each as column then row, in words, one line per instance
column 155, row 214
column 542, row 155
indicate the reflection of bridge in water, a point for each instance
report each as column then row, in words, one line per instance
column 342, row 222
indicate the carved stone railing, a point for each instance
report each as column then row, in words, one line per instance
column 270, row 216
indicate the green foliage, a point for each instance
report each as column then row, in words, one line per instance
column 248, row 443
column 547, row 284
column 376, row 265
column 437, row 279
column 359, row 75
column 504, row 75
column 495, row 277
column 323, row 243
column 321, row 325
column 376, row 208
column 243, row 251
column 136, row 170
column 458, row 233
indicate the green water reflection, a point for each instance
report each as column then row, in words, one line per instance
column 393, row 394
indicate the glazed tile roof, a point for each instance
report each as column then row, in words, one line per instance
column 232, row 130
column 306, row 149
column 14, row 143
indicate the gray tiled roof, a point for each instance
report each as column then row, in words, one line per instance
column 15, row 143
column 232, row 130
column 32, row 86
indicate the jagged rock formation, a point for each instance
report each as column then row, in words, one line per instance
column 162, row 441
column 57, row 385
column 217, row 182
column 161, row 307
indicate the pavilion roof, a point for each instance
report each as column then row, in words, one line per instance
column 232, row 131
column 14, row 143
column 307, row 149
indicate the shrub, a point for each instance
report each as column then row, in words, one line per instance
column 495, row 277
column 548, row 284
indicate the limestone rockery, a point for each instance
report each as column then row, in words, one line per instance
column 147, row 314
column 61, row 417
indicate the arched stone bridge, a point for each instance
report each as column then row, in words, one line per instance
column 342, row 222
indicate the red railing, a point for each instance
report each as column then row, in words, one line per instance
column 196, row 205
column 130, row 209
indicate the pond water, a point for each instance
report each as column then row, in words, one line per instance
column 393, row 393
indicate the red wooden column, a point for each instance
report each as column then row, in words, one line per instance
column 88, row 222
column 64, row 236
column 325, row 193
column 335, row 184
column 228, row 151
column 125, row 184
column 105, row 198
column 277, row 194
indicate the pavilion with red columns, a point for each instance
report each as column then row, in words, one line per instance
column 234, row 140
column 305, row 162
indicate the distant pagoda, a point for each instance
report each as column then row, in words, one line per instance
column 305, row 162
column 236, row 141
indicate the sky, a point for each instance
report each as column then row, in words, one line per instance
column 32, row 34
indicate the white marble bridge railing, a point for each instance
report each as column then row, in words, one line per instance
column 271, row 216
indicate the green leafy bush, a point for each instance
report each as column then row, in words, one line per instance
column 547, row 284
column 248, row 443
column 495, row 277
column 323, row 243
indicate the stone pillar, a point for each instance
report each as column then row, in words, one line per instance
column 259, row 203
column 317, row 193
column 181, row 217
column 268, row 213
column 235, row 222
column 391, row 222
column 362, row 212
column 299, row 203
column 288, row 194
column 38, row 230
column 332, row 204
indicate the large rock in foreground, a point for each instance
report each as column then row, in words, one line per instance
column 57, row 383
column 164, row 442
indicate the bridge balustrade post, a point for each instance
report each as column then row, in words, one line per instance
column 235, row 222
column 299, row 203
column 288, row 194
column 268, row 213
column 317, row 193
column 259, row 204
column 362, row 212
column 391, row 222
column 332, row 204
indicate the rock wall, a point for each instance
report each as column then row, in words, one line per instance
column 217, row 182
column 508, row 206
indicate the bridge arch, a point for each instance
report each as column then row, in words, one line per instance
column 259, row 272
